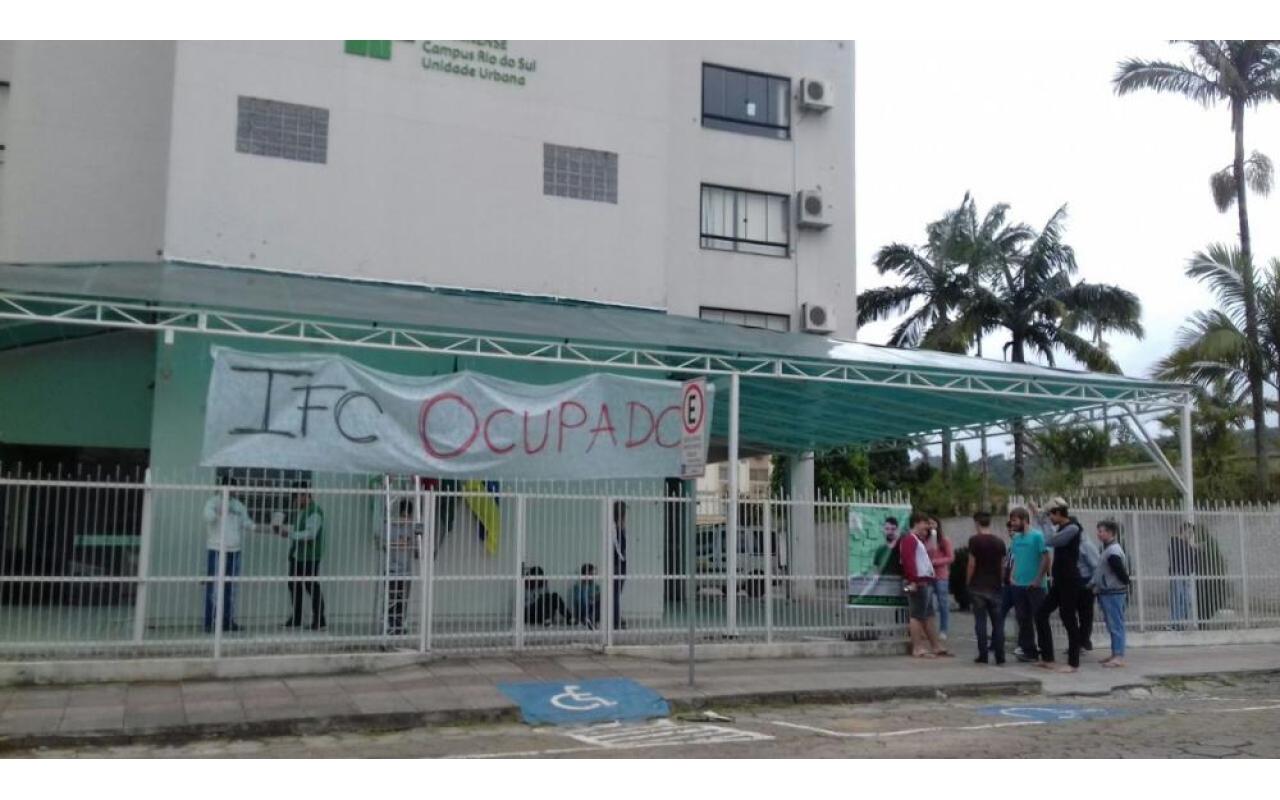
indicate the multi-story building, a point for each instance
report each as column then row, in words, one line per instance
column 375, row 179
column 710, row 179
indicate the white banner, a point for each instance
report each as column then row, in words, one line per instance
column 329, row 413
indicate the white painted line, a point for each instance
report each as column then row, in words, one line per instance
column 1237, row 710
column 531, row 753
column 907, row 732
column 662, row 733
column 615, row 736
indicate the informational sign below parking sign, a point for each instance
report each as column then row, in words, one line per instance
column 604, row 700
column 694, row 411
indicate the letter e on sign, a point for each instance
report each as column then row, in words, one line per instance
column 693, row 406
column 693, row 419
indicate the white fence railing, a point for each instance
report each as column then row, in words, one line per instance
column 129, row 568
column 118, row 566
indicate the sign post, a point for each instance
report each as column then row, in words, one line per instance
column 693, row 464
column 693, row 419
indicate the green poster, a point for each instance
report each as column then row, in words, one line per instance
column 875, row 575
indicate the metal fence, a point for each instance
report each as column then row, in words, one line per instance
column 125, row 566
column 1219, row 570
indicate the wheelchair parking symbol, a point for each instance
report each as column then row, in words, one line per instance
column 1050, row 713
column 585, row 701
column 573, row 698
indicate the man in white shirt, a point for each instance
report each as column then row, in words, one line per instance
column 223, row 536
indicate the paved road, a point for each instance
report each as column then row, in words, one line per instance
column 1208, row 719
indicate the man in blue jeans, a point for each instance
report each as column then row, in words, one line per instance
column 224, row 534
column 1111, row 583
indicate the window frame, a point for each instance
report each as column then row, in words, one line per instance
column 767, row 315
column 765, row 130
column 784, row 246
column 607, row 197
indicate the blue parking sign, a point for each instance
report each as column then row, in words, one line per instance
column 573, row 702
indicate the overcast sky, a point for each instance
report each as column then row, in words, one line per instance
column 1036, row 125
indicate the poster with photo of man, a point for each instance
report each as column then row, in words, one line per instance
column 875, row 572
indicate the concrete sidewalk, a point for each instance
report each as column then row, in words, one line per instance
column 465, row 690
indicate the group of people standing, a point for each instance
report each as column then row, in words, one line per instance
column 1048, row 565
column 228, row 521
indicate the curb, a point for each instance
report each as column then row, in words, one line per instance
column 405, row 720
column 872, row 694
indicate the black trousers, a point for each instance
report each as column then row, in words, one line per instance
column 1084, row 611
column 397, row 602
column 619, row 579
column 1027, row 601
column 306, row 569
column 1063, row 597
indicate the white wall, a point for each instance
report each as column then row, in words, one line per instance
column 87, row 151
column 430, row 178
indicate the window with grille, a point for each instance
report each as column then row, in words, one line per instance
column 745, row 221
column 746, row 102
column 282, row 130
column 747, row 319
column 580, row 173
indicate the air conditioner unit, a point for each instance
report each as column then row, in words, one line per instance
column 815, row 95
column 812, row 209
column 817, row 318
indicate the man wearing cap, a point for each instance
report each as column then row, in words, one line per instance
column 1063, row 534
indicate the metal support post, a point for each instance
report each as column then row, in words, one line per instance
column 144, row 563
column 1244, row 567
column 220, row 580
column 1139, row 572
column 520, row 599
column 1189, row 501
column 1188, row 476
column 768, row 570
column 427, row 569
column 691, row 589
column 731, row 517
column 606, row 558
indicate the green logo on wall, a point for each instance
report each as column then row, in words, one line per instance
column 372, row 48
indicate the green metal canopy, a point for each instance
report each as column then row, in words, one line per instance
column 798, row 391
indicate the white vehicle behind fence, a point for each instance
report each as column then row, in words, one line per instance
column 711, row 565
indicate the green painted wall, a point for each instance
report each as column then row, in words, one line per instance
column 562, row 534
column 93, row 391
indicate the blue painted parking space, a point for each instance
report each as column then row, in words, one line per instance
column 1051, row 712
column 585, row 701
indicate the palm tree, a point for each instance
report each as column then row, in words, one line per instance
column 933, row 283
column 1214, row 349
column 1031, row 296
column 1240, row 73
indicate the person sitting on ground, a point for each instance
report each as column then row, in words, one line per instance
column 585, row 598
column 1111, row 584
column 918, row 581
column 541, row 605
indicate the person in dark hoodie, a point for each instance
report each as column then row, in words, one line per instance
column 1062, row 532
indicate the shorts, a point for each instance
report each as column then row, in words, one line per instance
column 920, row 603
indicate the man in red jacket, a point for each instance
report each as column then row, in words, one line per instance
column 918, row 579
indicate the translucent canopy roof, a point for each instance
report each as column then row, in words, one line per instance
column 798, row 391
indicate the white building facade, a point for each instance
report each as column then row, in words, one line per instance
column 710, row 179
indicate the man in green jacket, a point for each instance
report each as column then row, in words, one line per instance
column 307, row 537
